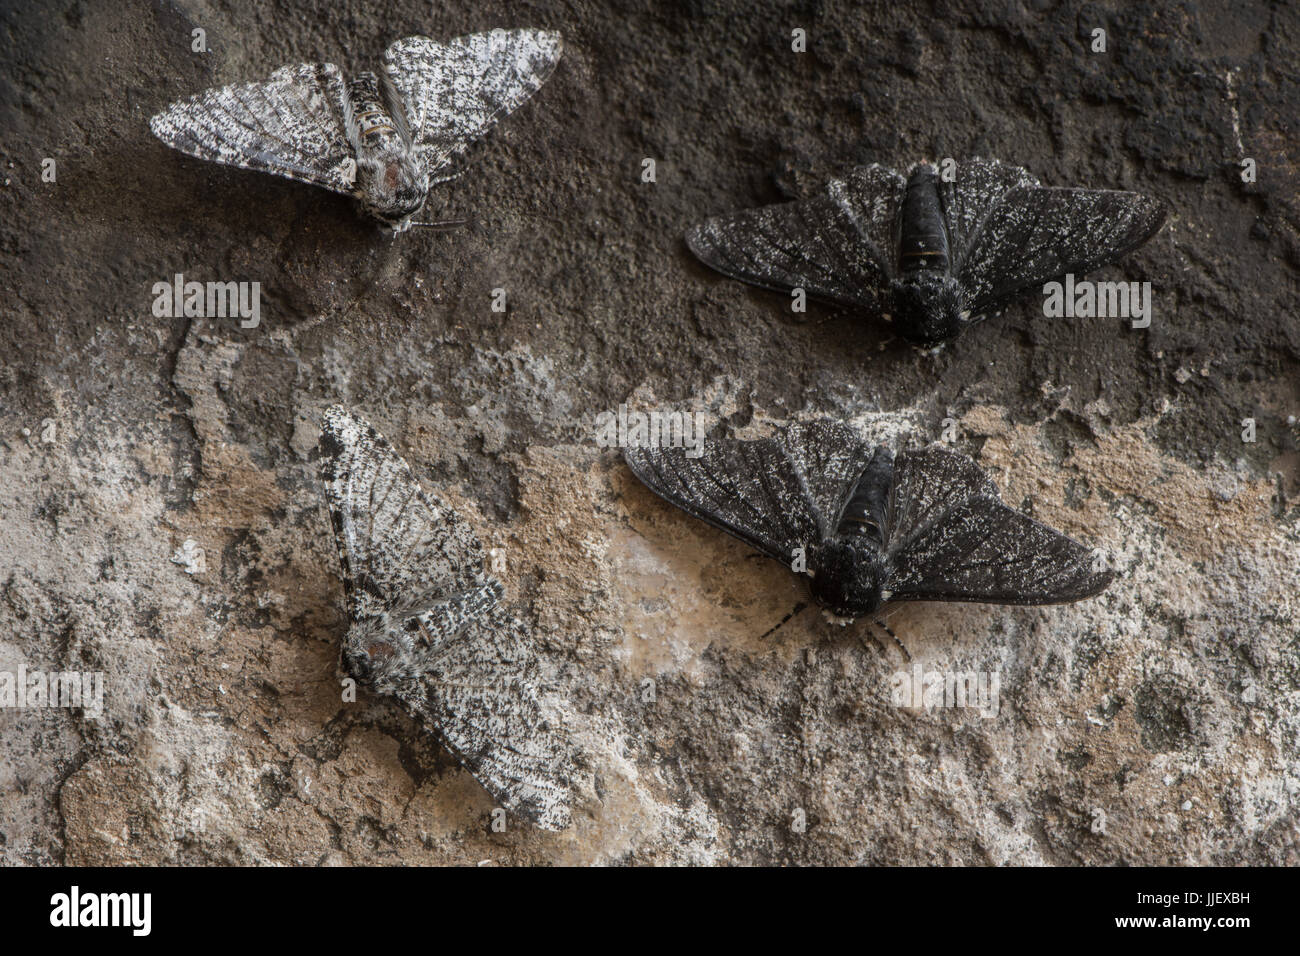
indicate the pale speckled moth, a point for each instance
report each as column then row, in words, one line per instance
column 384, row 139
column 872, row 526
column 428, row 628
column 933, row 255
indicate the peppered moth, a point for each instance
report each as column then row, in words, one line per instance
column 383, row 139
column 922, row 525
column 934, row 256
column 427, row 625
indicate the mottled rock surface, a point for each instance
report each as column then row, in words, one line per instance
column 1157, row 723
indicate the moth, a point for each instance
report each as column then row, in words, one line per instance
column 384, row 139
column 869, row 526
column 427, row 625
column 932, row 256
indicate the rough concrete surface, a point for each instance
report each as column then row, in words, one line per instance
column 1156, row 723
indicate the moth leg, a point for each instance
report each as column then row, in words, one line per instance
column 888, row 630
column 801, row 606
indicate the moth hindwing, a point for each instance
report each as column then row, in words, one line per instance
column 383, row 140
column 932, row 253
column 426, row 624
column 872, row 526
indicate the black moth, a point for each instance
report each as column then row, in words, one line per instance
column 871, row 526
column 934, row 256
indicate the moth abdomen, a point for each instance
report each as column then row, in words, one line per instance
column 922, row 236
column 370, row 119
column 864, row 513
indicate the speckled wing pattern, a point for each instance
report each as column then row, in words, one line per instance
column 401, row 547
column 291, row 125
column 949, row 537
column 776, row 494
column 750, row 489
column 976, row 189
column 1009, row 234
column 830, row 457
column 455, row 92
column 411, row 564
column 481, row 694
column 838, row 245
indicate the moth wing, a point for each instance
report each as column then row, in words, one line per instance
column 482, row 692
column 838, row 245
column 949, row 537
column 453, row 93
column 831, row 456
column 1035, row 233
column 750, row 489
column 290, row 125
column 978, row 187
column 402, row 549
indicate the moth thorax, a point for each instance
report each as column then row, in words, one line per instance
column 847, row 577
column 927, row 307
column 370, row 656
column 392, row 184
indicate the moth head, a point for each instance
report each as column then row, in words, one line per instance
column 928, row 307
column 392, row 185
column 371, row 656
column 848, row 577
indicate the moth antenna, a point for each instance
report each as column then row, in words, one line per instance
column 444, row 225
column 888, row 630
column 801, row 606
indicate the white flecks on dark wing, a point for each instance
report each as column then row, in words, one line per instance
column 427, row 626
column 836, row 245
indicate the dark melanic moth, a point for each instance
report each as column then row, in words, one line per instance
column 871, row 526
column 384, row 139
column 933, row 256
column 428, row 628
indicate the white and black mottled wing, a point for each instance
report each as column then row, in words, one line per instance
column 949, row 537
column 291, row 125
column 430, row 626
column 453, row 93
column 1011, row 234
column 481, row 689
column 750, row 489
column 838, row 245
column 401, row 547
